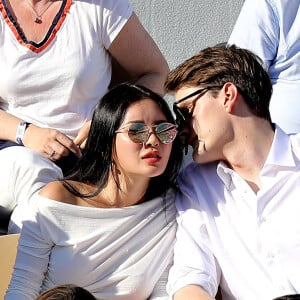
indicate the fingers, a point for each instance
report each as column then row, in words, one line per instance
column 51, row 143
column 82, row 145
column 52, row 155
column 60, row 146
column 67, row 145
column 81, row 138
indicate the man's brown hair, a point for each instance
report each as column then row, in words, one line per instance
column 214, row 66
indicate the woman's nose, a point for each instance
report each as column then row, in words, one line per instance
column 152, row 139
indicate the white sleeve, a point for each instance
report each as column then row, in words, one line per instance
column 31, row 261
column 257, row 29
column 113, row 15
column 194, row 263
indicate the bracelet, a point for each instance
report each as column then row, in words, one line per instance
column 21, row 131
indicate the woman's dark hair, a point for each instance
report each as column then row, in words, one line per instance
column 96, row 162
column 66, row 292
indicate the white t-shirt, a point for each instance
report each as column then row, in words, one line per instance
column 227, row 234
column 57, row 83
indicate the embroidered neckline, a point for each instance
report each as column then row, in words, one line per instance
column 20, row 36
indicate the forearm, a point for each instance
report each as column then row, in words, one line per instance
column 8, row 126
column 192, row 292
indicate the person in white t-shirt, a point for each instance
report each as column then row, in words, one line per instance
column 110, row 225
column 238, row 204
column 56, row 65
column 271, row 29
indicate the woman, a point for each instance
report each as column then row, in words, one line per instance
column 109, row 226
column 55, row 56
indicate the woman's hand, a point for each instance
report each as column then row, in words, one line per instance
column 50, row 143
column 80, row 139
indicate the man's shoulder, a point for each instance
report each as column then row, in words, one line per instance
column 197, row 169
column 200, row 188
column 196, row 177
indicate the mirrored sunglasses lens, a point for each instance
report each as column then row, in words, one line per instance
column 138, row 133
column 166, row 132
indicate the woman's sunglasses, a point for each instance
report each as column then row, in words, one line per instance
column 139, row 132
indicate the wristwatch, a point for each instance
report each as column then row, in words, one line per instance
column 21, row 131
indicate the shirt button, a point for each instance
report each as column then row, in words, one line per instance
column 263, row 219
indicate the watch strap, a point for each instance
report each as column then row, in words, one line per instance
column 21, row 131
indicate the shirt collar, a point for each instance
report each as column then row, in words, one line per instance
column 281, row 150
column 280, row 153
column 225, row 173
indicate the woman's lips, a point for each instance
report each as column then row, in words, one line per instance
column 152, row 157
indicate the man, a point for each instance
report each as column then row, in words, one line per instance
column 271, row 29
column 239, row 203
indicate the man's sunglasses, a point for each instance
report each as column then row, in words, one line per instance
column 183, row 114
column 139, row 132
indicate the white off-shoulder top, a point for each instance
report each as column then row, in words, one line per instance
column 115, row 253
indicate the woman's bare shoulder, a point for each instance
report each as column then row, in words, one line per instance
column 56, row 190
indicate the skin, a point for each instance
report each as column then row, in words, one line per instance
column 133, row 169
column 134, row 160
column 228, row 131
column 205, row 136
column 192, row 292
column 223, row 128
column 140, row 58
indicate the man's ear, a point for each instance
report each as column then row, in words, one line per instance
column 230, row 96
